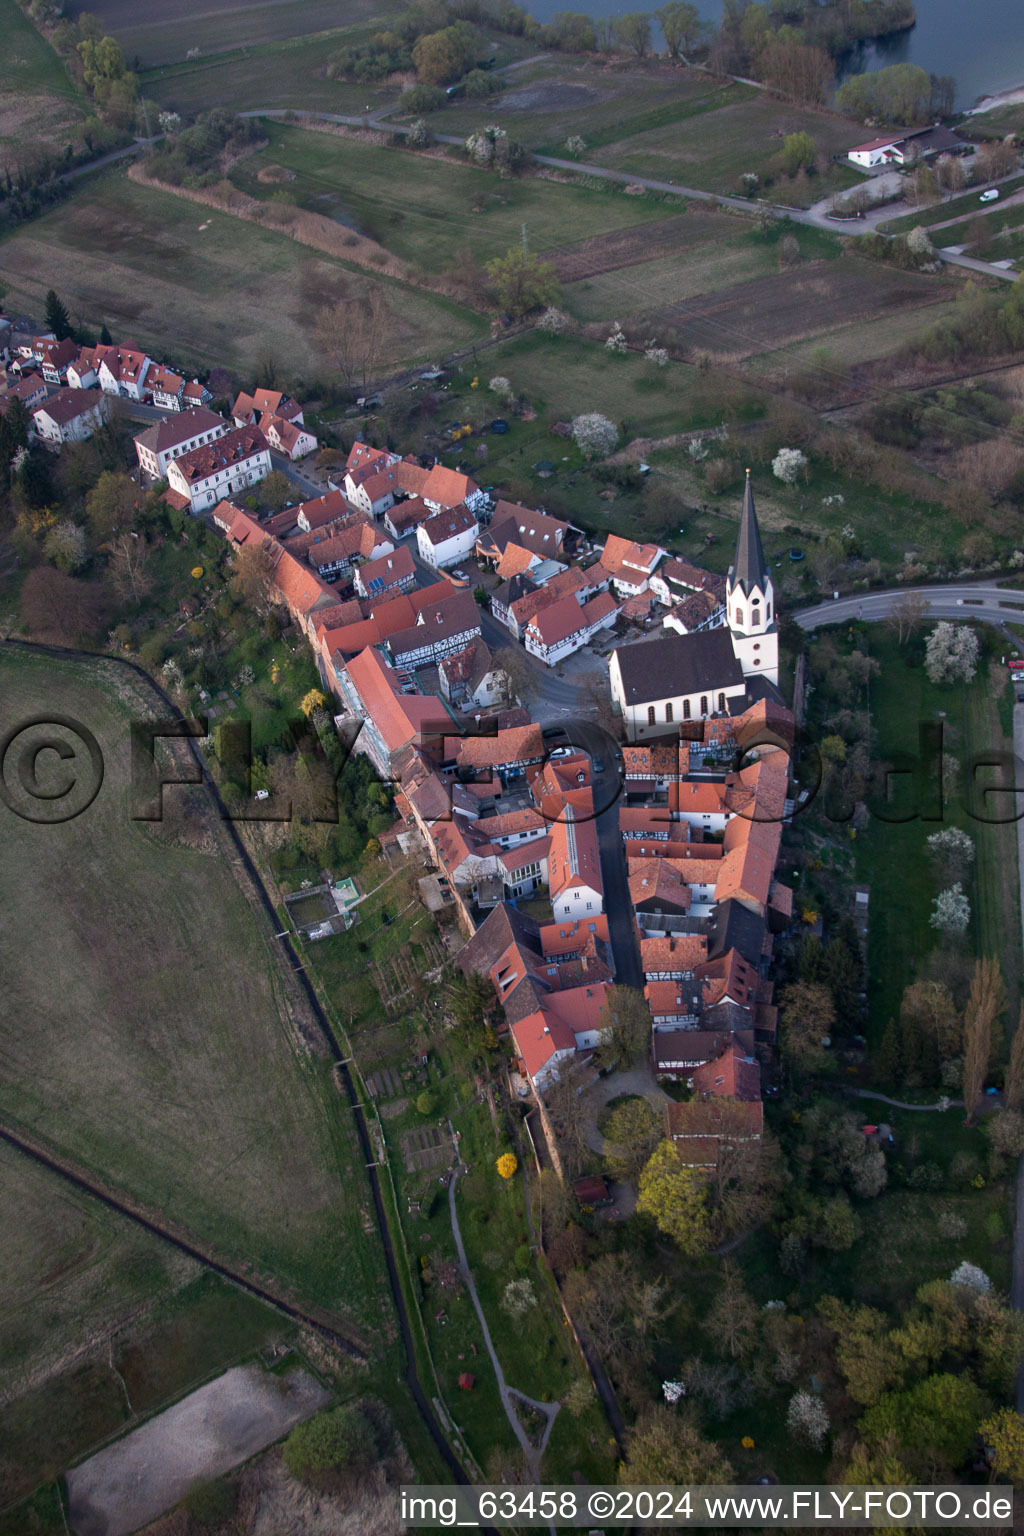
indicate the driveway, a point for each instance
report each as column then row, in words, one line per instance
column 638, row 1082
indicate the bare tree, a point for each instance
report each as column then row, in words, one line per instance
column 521, row 679
column 986, row 1002
column 907, row 614
column 1013, row 1083
column 354, row 334
column 129, row 566
column 56, row 607
column 252, row 574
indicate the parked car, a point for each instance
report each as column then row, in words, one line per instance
column 989, row 196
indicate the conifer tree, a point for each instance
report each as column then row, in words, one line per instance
column 57, row 317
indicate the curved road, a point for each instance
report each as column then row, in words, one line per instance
column 960, row 600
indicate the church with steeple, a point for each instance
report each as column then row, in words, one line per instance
column 659, row 684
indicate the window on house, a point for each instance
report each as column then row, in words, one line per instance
column 668, row 713
column 686, row 709
column 767, row 611
column 567, row 907
column 739, row 615
column 721, row 703
column 650, row 714
column 703, row 703
column 755, row 616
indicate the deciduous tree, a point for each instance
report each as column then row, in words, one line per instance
column 681, row 27
column 522, row 282
column 252, row 575
column 55, row 606
column 111, row 505
column 809, row 1015
column 631, row 1135
column 666, row 1447
column 625, row 1028
column 633, row 31
column 129, row 565
column 985, row 1004
column 676, row 1200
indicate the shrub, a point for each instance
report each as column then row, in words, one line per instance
column 425, row 1104
column 421, row 98
column 507, row 1165
column 338, row 1437
column 523, row 1259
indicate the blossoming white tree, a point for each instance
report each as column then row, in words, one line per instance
column 594, row 434
column 657, row 355
column 553, row 320
column 971, row 1278
column 616, row 339
column 499, row 385
column 951, row 653
column 952, row 850
column 518, row 1298
column 952, row 910
column 788, row 464
column 807, row 1419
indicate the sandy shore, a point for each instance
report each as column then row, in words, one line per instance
column 1001, row 99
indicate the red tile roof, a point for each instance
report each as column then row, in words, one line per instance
column 735, row 1075
column 223, row 453
column 446, row 486
column 446, row 525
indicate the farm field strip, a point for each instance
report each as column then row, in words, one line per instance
column 164, row 36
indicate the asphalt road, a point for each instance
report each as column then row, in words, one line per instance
column 968, row 600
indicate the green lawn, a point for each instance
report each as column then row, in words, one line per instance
column 545, row 103
column 209, row 288
column 958, row 207
column 39, row 103
column 892, row 858
column 743, row 134
column 408, row 201
column 28, row 63
column 148, row 1028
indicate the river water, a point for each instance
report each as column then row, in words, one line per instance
column 979, row 42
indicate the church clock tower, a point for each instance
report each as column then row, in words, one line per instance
column 750, row 600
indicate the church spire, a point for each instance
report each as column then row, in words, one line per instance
column 749, row 570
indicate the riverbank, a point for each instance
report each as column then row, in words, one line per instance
column 1010, row 98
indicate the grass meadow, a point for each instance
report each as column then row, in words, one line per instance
column 212, row 289
column 713, row 150
column 893, row 858
column 429, row 209
column 40, row 105
column 149, row 1036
